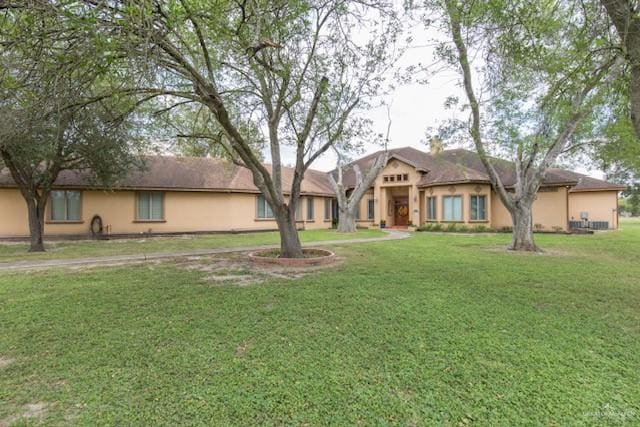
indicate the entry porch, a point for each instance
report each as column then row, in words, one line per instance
column 398, row 206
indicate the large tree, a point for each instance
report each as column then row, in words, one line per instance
column 54, row 115
column 543, row 69
column 625, row 16
column 349, row 198
column 284, row 75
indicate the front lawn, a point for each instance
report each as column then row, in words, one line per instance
column 433, row 330
column 93, row 248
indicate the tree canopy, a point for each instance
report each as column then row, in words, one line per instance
column 544, row 72
column 283, row 75
column 57, row 108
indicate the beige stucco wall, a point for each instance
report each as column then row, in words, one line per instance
column 464, row 190
column 183, row 211
column 318, row 214
column 384, row 192
column 500, row 217
column 13, row 213
column 549, row 210
column 600, row 205
column 363, row 221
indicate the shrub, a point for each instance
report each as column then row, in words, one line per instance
column 451, row 227
column 425, row 227
column 482, row 229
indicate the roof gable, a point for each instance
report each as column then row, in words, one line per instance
column 465, row 166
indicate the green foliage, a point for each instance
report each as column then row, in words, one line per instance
column 430, row 330
column 264, row 61
column 536, row 58
column 631, row 200
column 455, row 228
column 58, row 109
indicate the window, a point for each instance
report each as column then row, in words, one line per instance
column 309, row 208
column 263, row 210
column 327, row 209
column 452, row 208
column 370, row 209
column 299, row 210
column 150, row 206
column 432, row 206
column 478, row 208
column 65, row 206
column 401, row 177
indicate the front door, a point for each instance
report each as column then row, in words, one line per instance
column 401, row 209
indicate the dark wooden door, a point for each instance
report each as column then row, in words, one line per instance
column 401, row 215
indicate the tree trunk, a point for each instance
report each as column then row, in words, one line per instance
column 522, row 238
column 346, row 221
column 290, row 246
column 36, row 225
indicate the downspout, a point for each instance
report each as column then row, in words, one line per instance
column 567, row 209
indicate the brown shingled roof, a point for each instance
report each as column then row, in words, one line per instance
column 587, row 183
column 464, row 166
column 205, row 174
column 191, row 173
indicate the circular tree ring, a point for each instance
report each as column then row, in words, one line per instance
column 312, row 257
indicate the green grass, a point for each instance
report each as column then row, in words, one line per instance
column 92, row 248
column 434, row 330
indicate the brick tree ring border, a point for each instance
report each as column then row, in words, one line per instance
column 313, row 257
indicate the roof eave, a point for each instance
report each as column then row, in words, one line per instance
column 466, row 181
column 593, row 190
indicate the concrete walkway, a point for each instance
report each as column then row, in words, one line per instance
column 138, row 258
